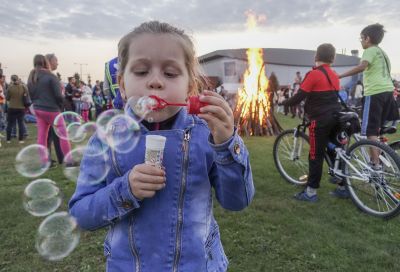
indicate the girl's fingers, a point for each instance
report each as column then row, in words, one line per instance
column 210, row 119
column 215, row 111
column 148, row 170
column 215, row 99
column 148, row 178
column 150, row 186
column 146, row 194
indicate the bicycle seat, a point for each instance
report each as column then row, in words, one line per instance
column 343, row 117
column 348, row 121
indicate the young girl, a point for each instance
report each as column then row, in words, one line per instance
column 162, row 219
column 85, row 107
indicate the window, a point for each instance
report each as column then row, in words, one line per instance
column 230, row 68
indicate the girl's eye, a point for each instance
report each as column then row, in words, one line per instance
column 140, row 72
column 171, row 74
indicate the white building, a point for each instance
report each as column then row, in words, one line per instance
column 229, row 65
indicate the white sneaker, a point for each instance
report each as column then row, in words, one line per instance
column 21, row 142
column 8, row 142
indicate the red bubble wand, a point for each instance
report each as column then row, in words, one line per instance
column 193, row 106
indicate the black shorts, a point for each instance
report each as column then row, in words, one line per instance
column 377, row 109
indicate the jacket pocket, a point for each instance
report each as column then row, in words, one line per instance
column 215, row 255
column 107, row 242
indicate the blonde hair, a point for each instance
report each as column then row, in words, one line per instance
column 196, row 77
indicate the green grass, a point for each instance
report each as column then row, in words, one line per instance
column 276, row 233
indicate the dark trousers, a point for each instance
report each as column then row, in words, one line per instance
column 99, row 110
column 320, row 132
column 52, row 137
column 15, row 116
column 14, row 130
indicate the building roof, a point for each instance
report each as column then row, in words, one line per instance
column 281, row 56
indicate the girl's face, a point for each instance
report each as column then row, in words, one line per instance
column 156, row 66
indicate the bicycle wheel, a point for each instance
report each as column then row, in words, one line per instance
column 291, row 156
column 373, row 189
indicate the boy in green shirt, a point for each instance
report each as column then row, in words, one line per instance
column 378, row 87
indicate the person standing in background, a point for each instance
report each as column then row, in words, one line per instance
column 98, row 101
column 45, row 91
column 69, row 93
column 358, row 93
column 110, row 86
column 52, row 136
column 16, row 108
column 86, row 101
column 2, row 110
column 379, row 105
column 297, row 109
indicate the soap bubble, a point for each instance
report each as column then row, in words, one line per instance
column 122, row 133
column 41, row 197
column 84, row 132
column 98, row 166
column 102, row 122
column 57, row 236
column 72, row 162
column 32, row 161
column 72, row 131
column 141, row 106
column 66, row 124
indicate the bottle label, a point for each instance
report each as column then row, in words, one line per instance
column 154, row 157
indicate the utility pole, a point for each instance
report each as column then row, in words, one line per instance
column 80, row 67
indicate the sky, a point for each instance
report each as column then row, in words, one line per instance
column 84, row 34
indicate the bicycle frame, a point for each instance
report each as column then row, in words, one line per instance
column 295, row 154
column 342, row 156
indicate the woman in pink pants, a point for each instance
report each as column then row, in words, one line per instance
column 45, row 91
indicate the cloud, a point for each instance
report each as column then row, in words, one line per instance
column 111, row 19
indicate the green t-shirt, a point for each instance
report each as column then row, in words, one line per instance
column 377, row 76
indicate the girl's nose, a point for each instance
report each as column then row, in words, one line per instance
column 155, row 83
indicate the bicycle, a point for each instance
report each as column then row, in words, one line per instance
column 374, row 189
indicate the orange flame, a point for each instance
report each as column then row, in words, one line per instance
column 253, row 101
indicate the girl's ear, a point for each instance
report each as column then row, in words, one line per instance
column 121, row 84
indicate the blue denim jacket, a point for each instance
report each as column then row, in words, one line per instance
column 175, row 230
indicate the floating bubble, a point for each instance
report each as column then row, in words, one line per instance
column 122, row 133
column 141, row 106
column 84, row 132
column 72, row 162
column 72, row 131
column 57, row 236
column 66, row 124
column 102, row 122
column 96, row 148
column 32, row 161
column 98, row 166
column 41, row 197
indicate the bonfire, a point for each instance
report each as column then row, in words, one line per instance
column 254, row 110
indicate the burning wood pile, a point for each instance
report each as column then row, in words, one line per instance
column 254, row 109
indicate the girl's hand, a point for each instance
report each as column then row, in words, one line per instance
column 218, row 116
column 145, row 180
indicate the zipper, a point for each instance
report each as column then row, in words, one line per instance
column 114, row 163
column 133, row 247
column 185, row 147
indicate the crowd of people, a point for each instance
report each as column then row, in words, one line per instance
column 42, row 98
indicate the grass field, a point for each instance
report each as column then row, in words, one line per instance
column 276, row 233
